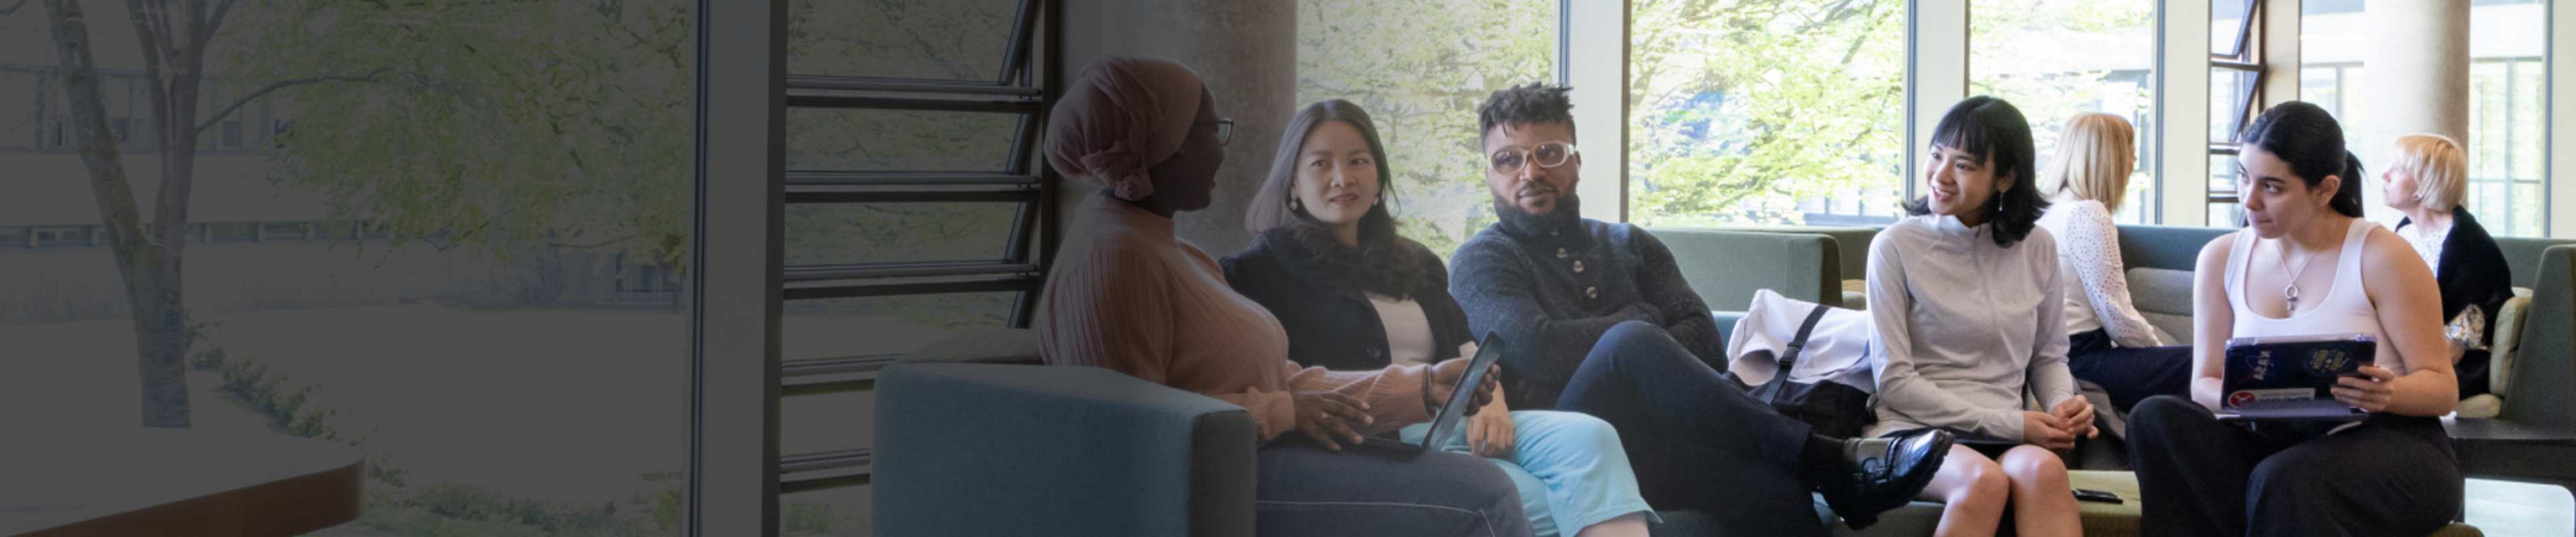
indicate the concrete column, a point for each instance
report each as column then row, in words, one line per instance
column 2416, row 75
column 1247, row 52
column 1936, row 77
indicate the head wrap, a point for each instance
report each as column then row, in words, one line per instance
column 1122, row 116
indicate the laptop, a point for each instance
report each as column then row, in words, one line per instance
column 1444, row 421
column 2292, row 378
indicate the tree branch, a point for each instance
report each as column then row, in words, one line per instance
column 215, row 21
column 245, row 99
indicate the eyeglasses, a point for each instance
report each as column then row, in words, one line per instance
column 1224, row 129
column 1547, row 155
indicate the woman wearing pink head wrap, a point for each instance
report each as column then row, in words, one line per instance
column 1130, row 296
column 1127, row 114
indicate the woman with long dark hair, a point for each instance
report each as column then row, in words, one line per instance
column 1355, row 295
column 2306, row 264
column 1131, row 297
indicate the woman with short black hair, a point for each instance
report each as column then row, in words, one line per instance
column 1964, row 295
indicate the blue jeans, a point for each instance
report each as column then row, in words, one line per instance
column 1303, row 489
column 1569, row 468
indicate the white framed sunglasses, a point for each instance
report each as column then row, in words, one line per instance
column 1510, row 160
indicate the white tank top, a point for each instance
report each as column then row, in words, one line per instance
column 2345, row 309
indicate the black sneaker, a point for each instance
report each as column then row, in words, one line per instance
column 1879, row 474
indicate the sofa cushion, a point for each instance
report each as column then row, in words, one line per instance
column 1726, row 267
column 2163, row 296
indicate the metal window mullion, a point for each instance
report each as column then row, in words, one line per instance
column 2508, row 142
column 874, row 102
column 966, row 195
column 2244, row 32
column 1023, row 144
column 817, row 178
column 823, row 461
column 991, row 285
column 905, row 85
column 839, row 365
column 733, row 413
column 1048, row 76
column 1017, row 51
column 861, row 271
column 825, row 483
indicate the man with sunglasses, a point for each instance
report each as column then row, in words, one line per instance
column 1600, row 321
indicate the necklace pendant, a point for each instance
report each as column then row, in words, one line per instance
column 2290, row 294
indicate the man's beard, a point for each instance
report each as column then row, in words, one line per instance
column 1560, row 218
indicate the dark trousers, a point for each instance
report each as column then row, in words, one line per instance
column 1304, row 489
column 1697, row 441
column 2130, row 374
column 2391, row 475
column 2473, row 371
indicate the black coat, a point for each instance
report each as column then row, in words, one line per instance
column 1332, row 326
column 2472, row 271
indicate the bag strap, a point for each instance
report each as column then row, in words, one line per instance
column 1789, row 356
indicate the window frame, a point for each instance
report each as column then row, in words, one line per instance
column 2248, row 59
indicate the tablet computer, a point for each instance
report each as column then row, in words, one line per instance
column 2292, row 377
column 1444, row 420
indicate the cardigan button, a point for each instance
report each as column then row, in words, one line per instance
column 1578, row 266
column 1592, row 292
column 1560, row 253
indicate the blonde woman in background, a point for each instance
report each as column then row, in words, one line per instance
column 2427, row 182
column 2108, row 342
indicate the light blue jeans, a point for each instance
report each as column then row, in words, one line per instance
column 1570, row 469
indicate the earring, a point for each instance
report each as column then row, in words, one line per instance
column 1294, row 205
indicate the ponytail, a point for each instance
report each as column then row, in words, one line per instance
column 2347, row 198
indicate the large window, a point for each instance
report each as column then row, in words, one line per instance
column 2054, row 59
column 2508, row 103
column 490, row 349
column 1766, row 112
column 1420, row 68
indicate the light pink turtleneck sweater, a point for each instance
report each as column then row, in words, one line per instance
column 1130, row 296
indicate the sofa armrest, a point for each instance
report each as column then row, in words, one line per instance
column 982, row 449
column 2541, row 355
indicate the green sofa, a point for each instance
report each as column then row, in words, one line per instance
column 2523, row 443
column 1182, row 460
